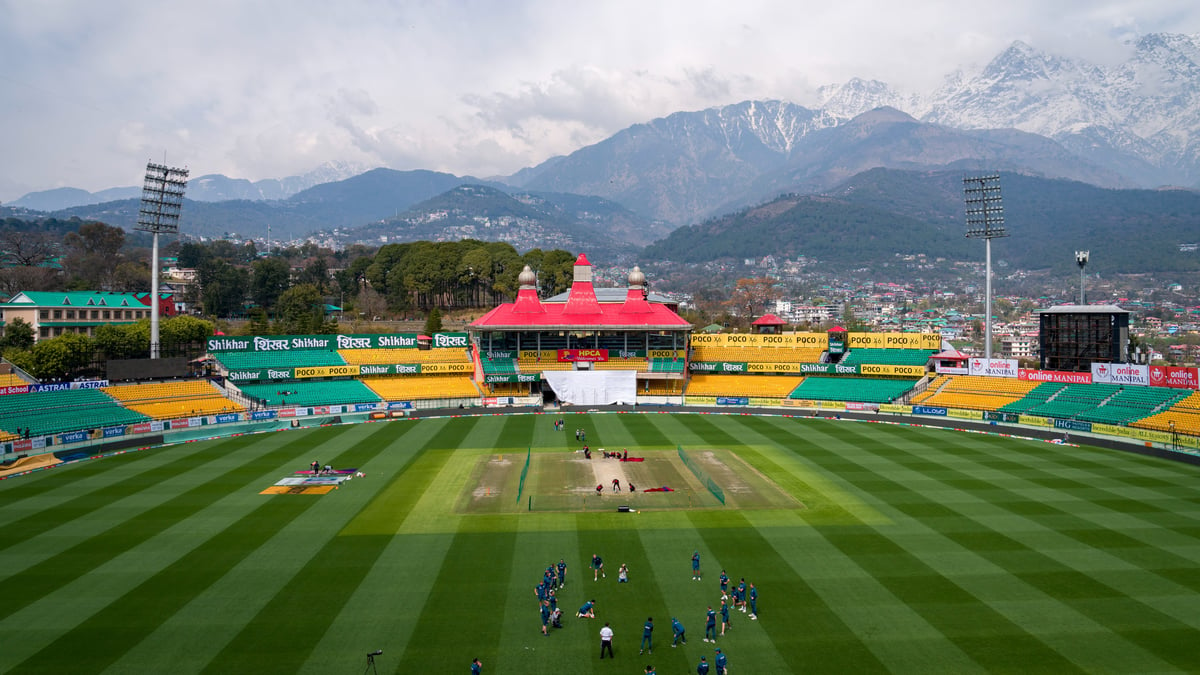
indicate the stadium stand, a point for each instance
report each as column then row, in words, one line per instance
column 667, row 365
column 55, row 412
column 505, row 389
column 498, row 366
column 1075, row 399
column 164, row 400
column 757, row 354
column 548, row 361
column 888, row 357
column 389, row 356
column 420, row 387
column 660, row 387
column 766, row 386
column 973, row 392
column 636, row 363
column 1185, row 413
column 1133, row 403
column 298, row 358
column 862, row 389
column 11, row 380
column 330, row 392
column 1036, row 396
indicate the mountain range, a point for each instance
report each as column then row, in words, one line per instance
column 1040, row 118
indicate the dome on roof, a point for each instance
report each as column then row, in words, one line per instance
column 527, row 277
column 637, row 278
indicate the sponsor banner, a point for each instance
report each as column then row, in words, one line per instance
column 884, row 370
column 930, row 341
column 1121, row 373
column 530, row 354
column 441, row 368
column 497, row 378
column 1174, row 376
column 837, row 343
column 773, row 367
column 364, row 407
column 444, row 340
column 796, row 403
column 226, row 418
column 763, row 402
column 573, row 355
column 1072, row 425
column 67, row 386
column 14, row 389
column 142, row 428
column 325, row 371
column 743, row 340
column 399, row 405
column 951, row 370
column 490, row 401
column 182, row 423
column 964, row 414
column 261, row 375
column 993, row 367
column 287, row 412
column 828, row 369
column 23, row 444
column 497, row 354
column 390, row 369
column 663, row 354
column 717, row 367
column 283, row 343
column 1034, row 420
column 321, row 410
column 733, row 400
column 301, row 412
column 73, row 437
column 895, row 408
column 110, row 432
column 865, row 407
column 1011, row 418
column 926, row 410
column 263, row 415
column 700, row 400
column 1060, row 376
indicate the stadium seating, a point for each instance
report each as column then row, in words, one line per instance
column 11, row 380
column 636, row 363
column 1185, row 413
column 1133, row 403
column 498, row 366
column 973, row 392
column 548, row 361
column 1036, row 396
column 330, row 392
column 389, row 356
column 660, row 388
column 298, row 358
column 419, row 387
column 766, row 386
column 1075, row 399
column 757, row 354
column 888, row 357
column 506, row 389
column 54, row 412
column 666, row 365
column 164, row 400
column 862, row 389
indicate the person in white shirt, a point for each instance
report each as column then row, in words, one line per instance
column 606, row 636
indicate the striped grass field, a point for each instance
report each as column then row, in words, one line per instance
column 906, row 549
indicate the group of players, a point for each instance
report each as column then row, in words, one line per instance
column 742, row 596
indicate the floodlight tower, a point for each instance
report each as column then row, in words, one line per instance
column 1081, row 259
column 162, row 200
column 985, row 220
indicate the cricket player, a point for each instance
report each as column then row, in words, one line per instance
column 647, row 633
column 677, row 629
column 696, row 566
column 710, row 625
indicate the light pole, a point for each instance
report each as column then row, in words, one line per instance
column 985, row 220
column 1081, row 259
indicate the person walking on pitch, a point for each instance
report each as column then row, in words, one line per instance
column 722, row 663
column 606, row 636
column 710, row 625
column 702, row 667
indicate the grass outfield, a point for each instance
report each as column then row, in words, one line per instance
column 874, row 547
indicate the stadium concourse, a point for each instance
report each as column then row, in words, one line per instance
column 586, row 349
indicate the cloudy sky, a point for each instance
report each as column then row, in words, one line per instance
column 89, row 91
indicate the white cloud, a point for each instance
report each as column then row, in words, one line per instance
column 90, row 91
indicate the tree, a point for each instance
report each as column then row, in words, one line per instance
column 269, row 278
column 751, row 296
column 131, row 277
column 60, row 357
column 181, row 331
column 124, row 341
column 433, row 322
column 92, row 254
column 18, row 334
column 23, row 248
column 302, row 312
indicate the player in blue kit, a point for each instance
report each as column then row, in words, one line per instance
column 710, row 625
column 724, row 617
column 647, row 632
column 696, row 566
column 753, row 595
column 597, row 567
column 677, row 629
column 476, row 667
column 724, row 584
column 587, row 611
column 702, row 667
column 562, row 572
column 721, row 662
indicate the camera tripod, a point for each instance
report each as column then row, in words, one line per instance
column 370, row 665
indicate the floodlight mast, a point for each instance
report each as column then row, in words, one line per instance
column 985, row 220
column 162, row 201
column 1081, row 259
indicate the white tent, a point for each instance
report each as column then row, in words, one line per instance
column 599, row 387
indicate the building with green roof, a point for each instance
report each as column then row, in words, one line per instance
column 52, row 313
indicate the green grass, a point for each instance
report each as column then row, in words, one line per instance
column 875, row 547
